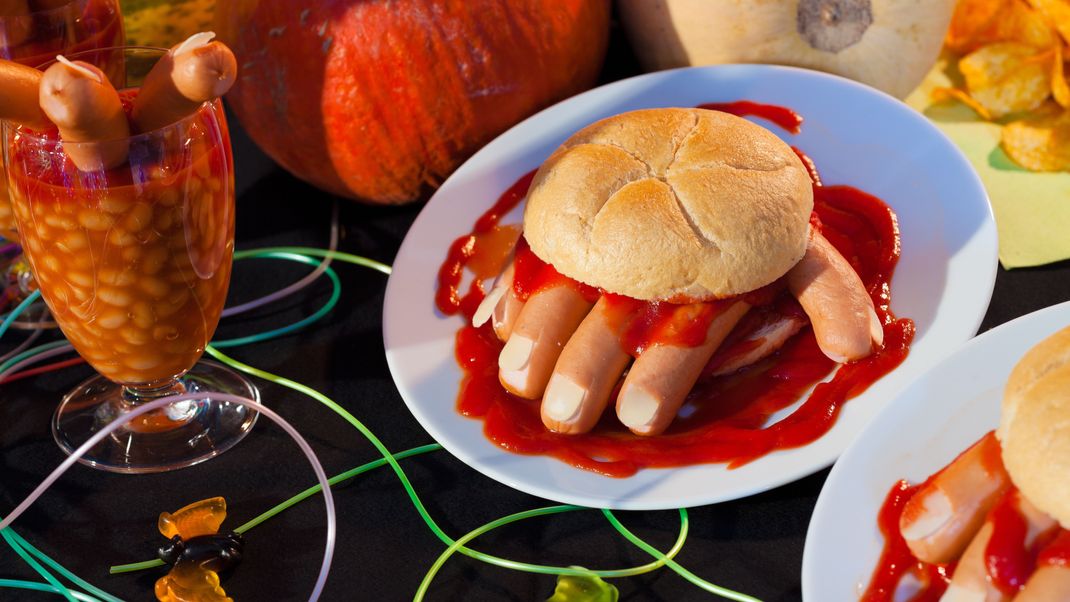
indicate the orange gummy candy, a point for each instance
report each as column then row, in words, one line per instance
column 189, row 582
column 199, row 518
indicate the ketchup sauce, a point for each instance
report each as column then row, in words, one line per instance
column 1008, row 561
column 1056, row 553
column 897, row 561
column 782, row 116
column 724, row 417
column 532, row 274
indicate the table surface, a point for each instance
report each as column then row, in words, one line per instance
column 91, row 520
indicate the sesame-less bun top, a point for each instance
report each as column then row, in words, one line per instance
column 1034, row 426
column 681, row 204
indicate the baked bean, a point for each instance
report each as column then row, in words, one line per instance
column 117, row 265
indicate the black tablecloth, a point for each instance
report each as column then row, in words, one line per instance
column 93, row 519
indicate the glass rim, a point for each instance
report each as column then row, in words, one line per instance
column 39, row 137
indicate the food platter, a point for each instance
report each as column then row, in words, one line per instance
column 926, row 426
column 856, row 136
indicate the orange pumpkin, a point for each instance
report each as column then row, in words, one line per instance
column 379, row 100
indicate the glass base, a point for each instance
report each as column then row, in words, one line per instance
column 17, row 285
column 180, row 435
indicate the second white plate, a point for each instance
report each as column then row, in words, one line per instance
column 856, row 135
column 927, row 426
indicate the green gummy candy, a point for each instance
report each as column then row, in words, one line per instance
column 588, row 588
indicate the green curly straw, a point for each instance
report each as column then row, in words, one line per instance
column 302, row 255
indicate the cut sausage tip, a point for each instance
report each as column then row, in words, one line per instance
column 637, row 408
column 563, row 399
column 193, row 42
column 936, row 512
column 486, row 307
column 876, row 330
column 516, row 354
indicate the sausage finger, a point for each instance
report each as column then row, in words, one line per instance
column 501, row 305
column 1049, row 583
column 943, row 516
column 1051, row 580
column 193, row 72
column 583, row 379
column 546, row 322
column 80, row 100
column 663, row 375
column 840, row 309
column 972, row 580
column 756, row 346
column 20, row 89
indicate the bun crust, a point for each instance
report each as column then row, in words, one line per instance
column 1034, row 426
column 671, row 204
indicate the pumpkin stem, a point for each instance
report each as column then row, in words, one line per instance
column 832, row 25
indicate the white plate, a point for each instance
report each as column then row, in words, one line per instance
column 928, row 424
column 856, row 135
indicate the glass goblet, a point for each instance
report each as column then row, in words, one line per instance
column 134, row 263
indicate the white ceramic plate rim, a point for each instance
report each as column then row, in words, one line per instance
column 967, row 284
column 918, row 433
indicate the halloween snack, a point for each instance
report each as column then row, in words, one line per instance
column 687, row 207
column 992, row 524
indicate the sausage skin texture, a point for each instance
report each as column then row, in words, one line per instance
column 192, row 72
column 585, row 375
column 943, row 516
column 840, row 309
column 971, row 582
column 663, row 375
column 1049, row 583
column 545, row 324
column 20, row 91
column 84, row 105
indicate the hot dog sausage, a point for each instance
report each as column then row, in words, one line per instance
column 832, row 294
column 1049, row 583
column 501, row 306
column 971, row 581
column 546, row 322
column 943, row 516
column 507, row 310
column 663, row 375
column 584, row 376
column 20, row 88
column 80, row 100
column 762, row 343
column 191, row 73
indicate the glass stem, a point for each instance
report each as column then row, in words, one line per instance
column 137, row 395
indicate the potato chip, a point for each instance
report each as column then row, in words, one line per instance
column 1059, row 88
column 1057, row 13
column 1040, row 142
column 1007, row 78
column 970, row 19
column 1013, row 21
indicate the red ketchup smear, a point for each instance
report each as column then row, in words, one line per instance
column 532, row 274
column 448, row 297
column 1007, row 559
column 782, row 116
column 726, row 416
column 1057, row 553
column 897, row 561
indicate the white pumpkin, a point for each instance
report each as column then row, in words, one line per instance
column 888, row 44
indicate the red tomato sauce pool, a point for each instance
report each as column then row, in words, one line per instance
column 727, row 415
